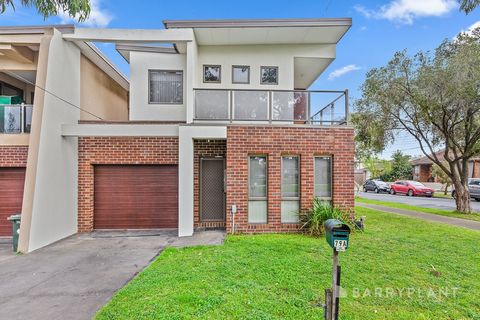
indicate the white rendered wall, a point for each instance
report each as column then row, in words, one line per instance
column 185, row 171
column 255, row 56
column 140, row 63
column 54, row 210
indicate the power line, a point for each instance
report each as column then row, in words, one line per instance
column 59, row 98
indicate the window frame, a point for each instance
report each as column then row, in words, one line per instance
column 330, row 157
column 297, row 198
column 149, row 86
column 240, row 66
column 265, row 199
column 219, row 73
column 269, row 84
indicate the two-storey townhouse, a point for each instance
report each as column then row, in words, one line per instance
column 222, row 132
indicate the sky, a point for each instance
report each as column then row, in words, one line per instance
column 380, row 28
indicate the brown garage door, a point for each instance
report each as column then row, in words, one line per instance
column 135, row 197
column 11, row 196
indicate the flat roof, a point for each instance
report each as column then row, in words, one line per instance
column 258, row 23
column 39, row 29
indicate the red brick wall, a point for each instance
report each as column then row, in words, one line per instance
column 425, row 173
column 274, row 142
column 205, row 149
column 476, row 169
column 13, row 156
column 116, row 150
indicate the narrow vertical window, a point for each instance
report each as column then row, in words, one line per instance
column 290, row 189
column 257, row 195
column 165, row 87
column 323, row 178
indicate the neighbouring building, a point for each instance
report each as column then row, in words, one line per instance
column 422, row 168
column 218, row 127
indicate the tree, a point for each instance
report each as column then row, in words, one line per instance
column 434, row 97
column 78, row 9
column 377, row 167
column 441, row 176
column 468, row 5
column 400, row 167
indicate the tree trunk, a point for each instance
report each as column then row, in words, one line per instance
column 462, row 198
column 446, row 189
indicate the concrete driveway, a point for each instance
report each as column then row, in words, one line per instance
column 435, row 203
column 73, row 278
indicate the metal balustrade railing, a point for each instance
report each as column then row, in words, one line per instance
column 15, row 118
column 316, row 107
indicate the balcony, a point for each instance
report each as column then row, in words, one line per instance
column 15, row 118
column 271, row 106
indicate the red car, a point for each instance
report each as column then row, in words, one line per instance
column 411, row 188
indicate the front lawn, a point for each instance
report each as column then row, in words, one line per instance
column 454, row 214
column 284, row 276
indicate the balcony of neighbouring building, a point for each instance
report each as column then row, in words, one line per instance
column 313, row 107
column 15, row 118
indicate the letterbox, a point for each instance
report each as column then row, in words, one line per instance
column 337, row 234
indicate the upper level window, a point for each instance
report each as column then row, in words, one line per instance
column 323, row 178
column 165, row 86
column 269, row 75
column 241, row 74
column 212, row 73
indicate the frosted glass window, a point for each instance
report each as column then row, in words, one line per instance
column 323, row 177
column 290, row 209
column 257, row 177
column 241, row 74
column 290, row 189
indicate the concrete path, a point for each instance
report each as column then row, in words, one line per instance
column 434, row 203
column 469, row 224
column 75, row 277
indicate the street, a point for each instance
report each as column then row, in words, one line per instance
column 435, row 203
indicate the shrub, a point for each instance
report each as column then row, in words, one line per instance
column 312, row 220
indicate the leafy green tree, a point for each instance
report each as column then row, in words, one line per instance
column 77, row 9
column 441, row 176
column 468, row 5
column 400, row 167
column 377, row 167
column 435, row 98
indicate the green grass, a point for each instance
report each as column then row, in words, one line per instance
column 284, row 276
column 442, row 195
column 454, row 214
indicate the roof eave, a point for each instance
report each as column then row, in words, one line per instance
column 258, row 23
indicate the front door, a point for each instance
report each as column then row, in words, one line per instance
column 212, row 189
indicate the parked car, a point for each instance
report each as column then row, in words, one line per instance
column 376, row 185
column 473, row 189
column 411, row 188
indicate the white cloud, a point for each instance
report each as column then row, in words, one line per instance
column 98, row 17
column 342, row 71
column 406, row 11
column 472, row 27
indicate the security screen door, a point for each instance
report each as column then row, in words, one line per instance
column 212, row 189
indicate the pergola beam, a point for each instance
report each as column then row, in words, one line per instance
column 130, row 35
